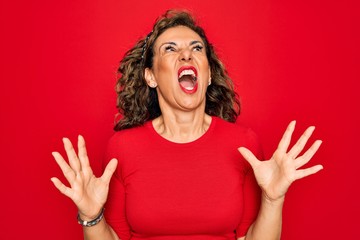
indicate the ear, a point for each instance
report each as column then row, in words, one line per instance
column 149, row 78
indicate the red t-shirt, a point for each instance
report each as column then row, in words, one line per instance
column 198, row 190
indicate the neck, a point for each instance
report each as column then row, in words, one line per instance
column 182, row 127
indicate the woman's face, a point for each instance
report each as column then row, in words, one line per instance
column 180, row 69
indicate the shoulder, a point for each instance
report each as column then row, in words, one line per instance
column 239, row 134
column 129, row 134
column 235, row 129
column 128, row 139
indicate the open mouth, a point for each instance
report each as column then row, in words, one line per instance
column 187, row 77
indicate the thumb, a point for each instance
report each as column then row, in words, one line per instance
column 109, row 170
column 249, row 156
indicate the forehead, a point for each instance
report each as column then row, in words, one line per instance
column 178, row 34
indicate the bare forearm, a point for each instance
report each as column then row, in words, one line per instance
column 269, row 221
column 101, row 231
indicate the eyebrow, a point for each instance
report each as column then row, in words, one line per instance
column 173, row 43
column 196, row 42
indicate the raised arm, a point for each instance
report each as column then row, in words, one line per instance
column 88, row 192
column 275, row 176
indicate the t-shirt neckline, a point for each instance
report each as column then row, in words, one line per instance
column 202, row 138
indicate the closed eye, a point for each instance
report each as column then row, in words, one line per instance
column 169, row 48
column 198, row 48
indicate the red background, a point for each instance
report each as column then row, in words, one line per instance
column 289, row 60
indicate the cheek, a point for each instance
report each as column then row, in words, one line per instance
column 205, row 68
column 202, row 59
column 161, row 64
column 163, row 71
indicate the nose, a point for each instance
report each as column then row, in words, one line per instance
column 185, row 55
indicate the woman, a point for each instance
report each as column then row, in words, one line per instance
column 180, row 175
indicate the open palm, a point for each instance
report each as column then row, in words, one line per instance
column 276, row 175
column 88, row 192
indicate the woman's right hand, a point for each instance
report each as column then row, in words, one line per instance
column 88, row 192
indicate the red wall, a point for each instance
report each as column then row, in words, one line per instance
column 289, row 60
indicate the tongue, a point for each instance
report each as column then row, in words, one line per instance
column 186, row 81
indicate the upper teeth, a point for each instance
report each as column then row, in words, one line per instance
column 187, row 72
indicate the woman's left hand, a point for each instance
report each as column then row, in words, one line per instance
column 275, row 175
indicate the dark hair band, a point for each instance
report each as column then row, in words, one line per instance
column 145, row 42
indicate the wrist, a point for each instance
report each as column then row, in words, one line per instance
column 270, row 201
column 90, row 213
column 88, row 222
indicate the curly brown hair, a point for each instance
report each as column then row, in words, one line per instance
column 138, row 103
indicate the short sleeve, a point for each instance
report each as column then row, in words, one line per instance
column 115, row 214
column 251, row 191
